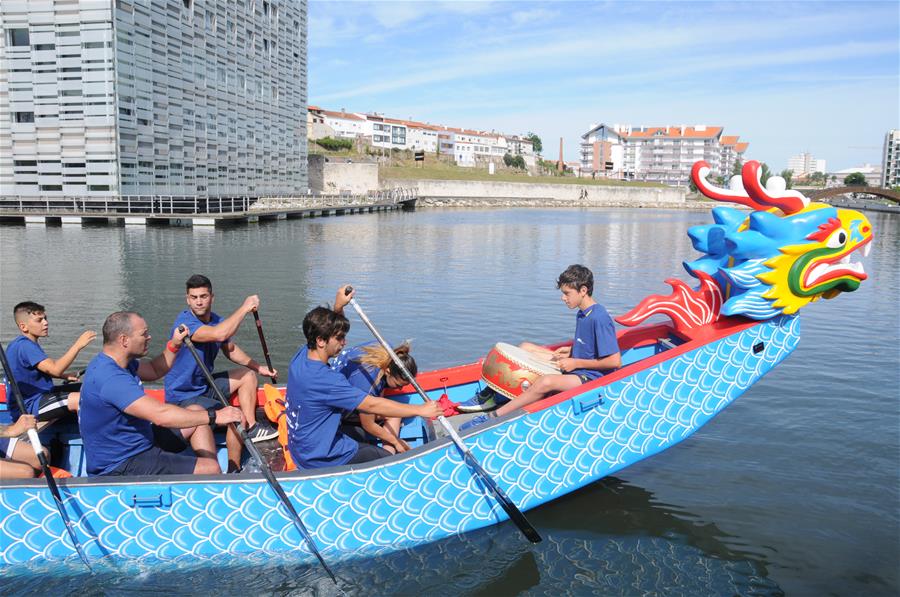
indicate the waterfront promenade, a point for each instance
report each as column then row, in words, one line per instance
column 194, row 211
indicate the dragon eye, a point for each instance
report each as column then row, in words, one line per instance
column 838, row 239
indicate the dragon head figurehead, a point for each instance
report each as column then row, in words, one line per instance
column 786, row 254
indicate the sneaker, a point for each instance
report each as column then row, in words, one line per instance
column 262, row 431
column 483, row 401
column 475, row 421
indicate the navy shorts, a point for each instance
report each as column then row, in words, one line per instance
column 157, row 461
column 210, row 399
column 5, row 450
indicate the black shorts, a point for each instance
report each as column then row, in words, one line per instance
column 171, row 440
column 157, row 461
column 53, row 404
column 367, row 453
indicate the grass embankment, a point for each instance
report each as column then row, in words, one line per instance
column 440, row 170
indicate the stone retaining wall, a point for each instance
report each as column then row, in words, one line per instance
column 470, row 193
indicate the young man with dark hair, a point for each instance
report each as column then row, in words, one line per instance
column 185, row 383
column 594, row 350
column 119, row 422
column 34, row 370
column 317, row 396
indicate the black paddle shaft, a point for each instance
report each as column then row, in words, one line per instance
column 507, row 504
column 263, row 465
column 265, row 347
column 42, row 459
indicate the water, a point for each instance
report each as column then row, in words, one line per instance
column 793, row 489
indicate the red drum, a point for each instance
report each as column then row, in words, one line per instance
column 511, row 370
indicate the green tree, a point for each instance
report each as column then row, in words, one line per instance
column 766, row 173
column 736, row 169
column 788, row 176
column 518, row 162
column 507, row 159
column 857, row 179
column 535, row 142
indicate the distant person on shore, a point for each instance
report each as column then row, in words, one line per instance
column 123, row 429
column 186, row 385
column 17, row 458
column 369, row 367
column 318, row 396
column 594, row 350
column 34, row 370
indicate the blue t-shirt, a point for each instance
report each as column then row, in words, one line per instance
column 360, row 376
column 185, row 380
column 110, row 435
column 317, row 396
column 23, row 355
column 595, row 338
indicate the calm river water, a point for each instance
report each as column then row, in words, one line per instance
column 792, row 490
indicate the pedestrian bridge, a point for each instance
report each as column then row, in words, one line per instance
column 825, row 193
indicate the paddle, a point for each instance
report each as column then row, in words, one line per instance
column 265, row 347
column 263, row 465
column 45, row 466
column 511, row 510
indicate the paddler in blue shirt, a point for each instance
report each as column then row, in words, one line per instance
column 185, row 383
column 370, row 368
column 119, row 422
column 34, row 370
column 318, row 396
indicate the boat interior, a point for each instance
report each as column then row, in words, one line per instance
column 640, row 347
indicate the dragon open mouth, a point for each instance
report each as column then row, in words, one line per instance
column 837, row 267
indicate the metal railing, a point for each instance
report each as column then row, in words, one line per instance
column 187, row 205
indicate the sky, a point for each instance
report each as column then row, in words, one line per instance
column 788, row 77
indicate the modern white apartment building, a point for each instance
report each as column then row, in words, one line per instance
column 468, row 147
column 203, row 98
column 890, row 160
column 804, row 164
column 662, row 154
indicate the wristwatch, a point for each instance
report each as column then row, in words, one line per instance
column 211, row 412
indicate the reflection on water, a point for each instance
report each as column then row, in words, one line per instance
column 795, row 485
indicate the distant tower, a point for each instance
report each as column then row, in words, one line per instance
column 561, row 164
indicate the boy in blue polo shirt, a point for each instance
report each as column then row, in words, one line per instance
column 594, row 349
column 34, row 370
column 318, row 396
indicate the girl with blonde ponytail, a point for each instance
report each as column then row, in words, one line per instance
column 369, row 367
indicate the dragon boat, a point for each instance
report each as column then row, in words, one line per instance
column 757, row 269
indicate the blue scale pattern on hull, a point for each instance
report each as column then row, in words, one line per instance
column 535, row 458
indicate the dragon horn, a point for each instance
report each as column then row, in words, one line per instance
column 774, row 194
column 699, row 173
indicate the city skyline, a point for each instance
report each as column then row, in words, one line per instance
column 785, row 75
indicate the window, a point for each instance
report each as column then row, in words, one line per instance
column 51, row 187
column 18, row 37
column 97, row 187
column 24, row 116
column 45, row 47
